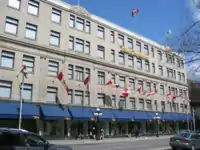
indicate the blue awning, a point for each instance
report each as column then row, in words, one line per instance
column 8, row 110
column 29, row 111
column 81, row 113
column 107, row 114
column 168, row 117
column 141, row 116
column 54, row 112
column 189, row 117
column 122, row 115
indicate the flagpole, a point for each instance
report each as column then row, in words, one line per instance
column 21, row 100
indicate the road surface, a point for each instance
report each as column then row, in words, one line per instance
column 157, row 144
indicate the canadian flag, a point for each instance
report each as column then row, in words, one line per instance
column 169, row 97
column 126, row 91
column 152, row 93
column 86, row 80
column 113, row 85
column 139, row 89
column 174, row 98
column 60, row 77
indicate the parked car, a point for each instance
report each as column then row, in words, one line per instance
column 185, row 140
column 11, row 139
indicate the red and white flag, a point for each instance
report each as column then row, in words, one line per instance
column 152, row 93
column 60, row 77
column 169, row 97
column 111, row 83
column 86, row 80
column 126, row 91
column 139, row 90
column 135, row 12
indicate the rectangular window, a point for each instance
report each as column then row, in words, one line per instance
column 138, row 46
column 113, row 79
column 182, row 108
column 140, row 84
column 79, row 73
column 152, row 52
column 141, row 104
column 78, row 97
column 130, row 61
column 156, row 105
column 153, row 68
column 121, row 58
column 154, row 86
column 33, row 7
column 122, row 102
column 54, row 38
column 130, row 43
column 132, row 83
column 159, row 55
column 101, row 51
column 160, row 70
column 70, row 71
column 100, row 32
column 7, row 59
column 31, row 31
column 101, row 99
column 183, row 77
column 101, row 77
column 149, row 105
column 87, row 47
column 147, row 66
column 132, row 103
column 112, row 36
column 146, row 50
column 5, row 89
column 79, row 45
column 27, row 92
column 52, row 94
column 148, row 86
column 87, row 98
column 87, row 27
column 80, row 24
column 72, row 21
column 11, row 25
column 121, row 39
column 179, row 76
column 162, row 90
column 174, row 74
column 70, row 97
column 56, row 15
column 139, row 63
column 112, row 55
column 122, row 82
column 53, row 68
column 28, row 61
column 113, row 101
column 87, row 72
column 71, row 42
column 14, row 3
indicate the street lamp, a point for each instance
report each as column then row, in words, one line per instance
column 157, row 117
column 97, row 114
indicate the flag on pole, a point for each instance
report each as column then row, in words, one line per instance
column 169, row 97
column 152, row 93
column 60, row 77
column 126, row 91
column 23, row 71
column 86, row 80
column 139, row 89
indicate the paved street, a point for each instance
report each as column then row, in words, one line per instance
column 146, row 144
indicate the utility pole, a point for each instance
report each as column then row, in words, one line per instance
column 193, row 116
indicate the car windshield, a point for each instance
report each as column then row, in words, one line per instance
column 183, row 134
column 33, row 139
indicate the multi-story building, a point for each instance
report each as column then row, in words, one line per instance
column 50, row 36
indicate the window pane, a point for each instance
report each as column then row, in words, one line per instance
column 5, row 89
column 33, row 7
column 14, row 3
column 7, row 59
column 56, row 15
column 11, row 25
column 28, row 61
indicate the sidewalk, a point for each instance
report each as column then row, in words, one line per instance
column 109, row 140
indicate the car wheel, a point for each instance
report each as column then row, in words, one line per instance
column 193, row 148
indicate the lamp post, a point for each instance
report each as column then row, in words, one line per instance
column 157, row 117
column 97, row 114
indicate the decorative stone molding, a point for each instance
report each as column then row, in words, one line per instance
column 81, row 11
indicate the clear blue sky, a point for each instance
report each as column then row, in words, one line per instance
column 154, row 19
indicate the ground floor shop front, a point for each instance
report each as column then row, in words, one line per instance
column 67, row 122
